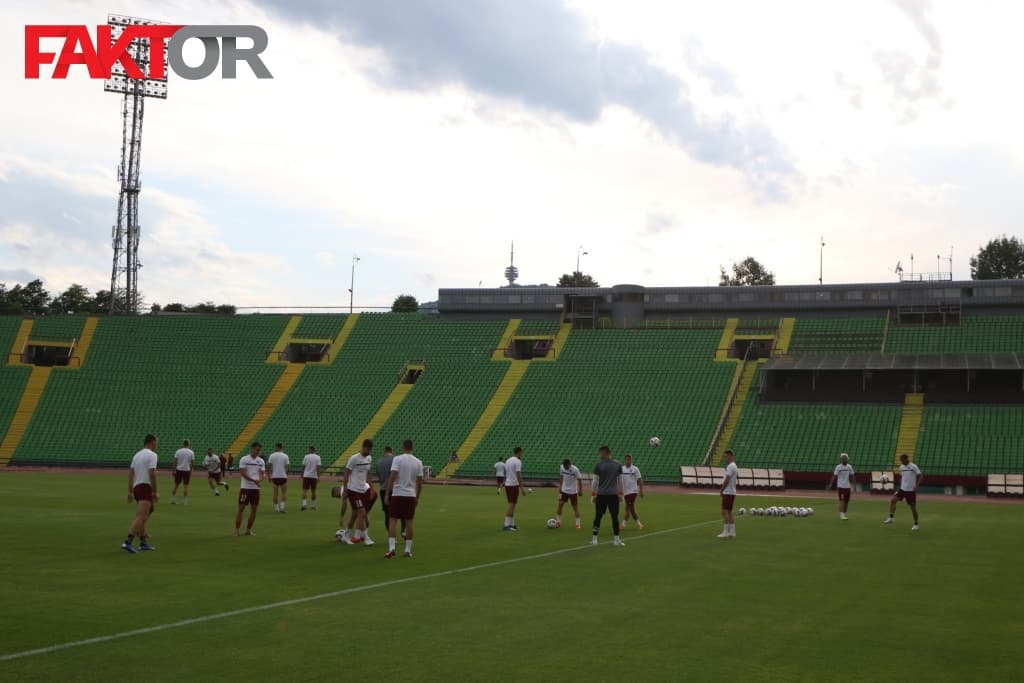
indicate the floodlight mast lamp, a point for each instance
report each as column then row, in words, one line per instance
column 124, row 275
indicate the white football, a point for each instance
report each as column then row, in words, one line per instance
column 743, row 511
column 339, row 535
column 654, row 441
column 810, row 511
column 552, row 523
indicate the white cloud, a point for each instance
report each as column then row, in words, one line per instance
column 259, row 192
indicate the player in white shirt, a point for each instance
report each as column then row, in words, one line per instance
column 910, row 479
column 359, row 494
column 253, row 470
column 632, row 485
column 311, row 469
column 843, row 478
column 214, row 473
column 184, row 461
column 513, row 487
column 570, row 483
column 728, row 492
column 403, row 493
column 499, row 473
column 278, row 463
column 142, row 490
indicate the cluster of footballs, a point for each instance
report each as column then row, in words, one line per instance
column 778, row 512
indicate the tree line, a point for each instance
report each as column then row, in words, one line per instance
column 33, row 299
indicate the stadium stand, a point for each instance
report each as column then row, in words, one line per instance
column 329, row 405
column 808, row 437
column 976, row 334
column 829, row 336
column 971, row 440
column 182, row 377
column 618, row 387
column 12, row 378
column 204, row 378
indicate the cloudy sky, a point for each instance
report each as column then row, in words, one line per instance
column 424, row 136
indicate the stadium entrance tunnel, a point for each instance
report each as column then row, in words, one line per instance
column 307, row 352
column 758, row 347
column 47, row 355
column 527, row 348
column 944, row 378
column 411, row 373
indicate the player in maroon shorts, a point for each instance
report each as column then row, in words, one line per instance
column 142, row 490
column 403, row 492
column 253, row 470
column 910, row 480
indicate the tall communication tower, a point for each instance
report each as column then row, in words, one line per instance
column 124, row 276
column 511, row 273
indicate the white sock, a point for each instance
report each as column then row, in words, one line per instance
column 391, row 544
column 282, row 507
column 408, row 546
column 558, row 518
column 313, row 505
column 508, row 521
column 577, row 521
column 186, row 500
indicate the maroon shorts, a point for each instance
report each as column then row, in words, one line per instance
column 182, row 476
column 249, row 497
column 512, row 494
column 909, row 496
column 369, row 498
column 214, row 475
column 727, row 500
column 501, row 481
column 309, row 483
column 569, row 497
column 359, row 500
column 844, row 494
column 279, row 481
column 142, row 492
column 631, row 499
column 402, row 507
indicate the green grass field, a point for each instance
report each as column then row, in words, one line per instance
column 788, row 600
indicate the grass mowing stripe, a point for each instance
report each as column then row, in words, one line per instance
column 321, row 596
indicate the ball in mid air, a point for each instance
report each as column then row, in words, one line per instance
column 654, row 441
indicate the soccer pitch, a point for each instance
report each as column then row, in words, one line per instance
column 789, row 599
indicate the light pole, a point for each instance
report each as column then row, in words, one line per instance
column 579, row 252
column 352, row 286
column 821, row 260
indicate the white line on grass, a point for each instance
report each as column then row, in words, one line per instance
column 321, row 596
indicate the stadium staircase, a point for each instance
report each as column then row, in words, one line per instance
column 376, row 423
column 910, row 427
column 513, row 376
column 24, row 412
column 743, row 381
column 39, row 376
column 511, row 379
column 288, row 377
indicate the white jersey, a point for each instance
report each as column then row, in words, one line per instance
column 512, row 466
column 254, row 467
column 409, row 469
column 629, row 477
column 184, row 458
column 311, row 465
column 359, row 469
column 732, row 472
column 844, row 475
column 570, row 479
column 279, row 463
column 142, row 463
column 908, row 476
column 499, row 469
column 212, row 463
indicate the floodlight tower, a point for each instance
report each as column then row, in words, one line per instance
column 124, row 276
